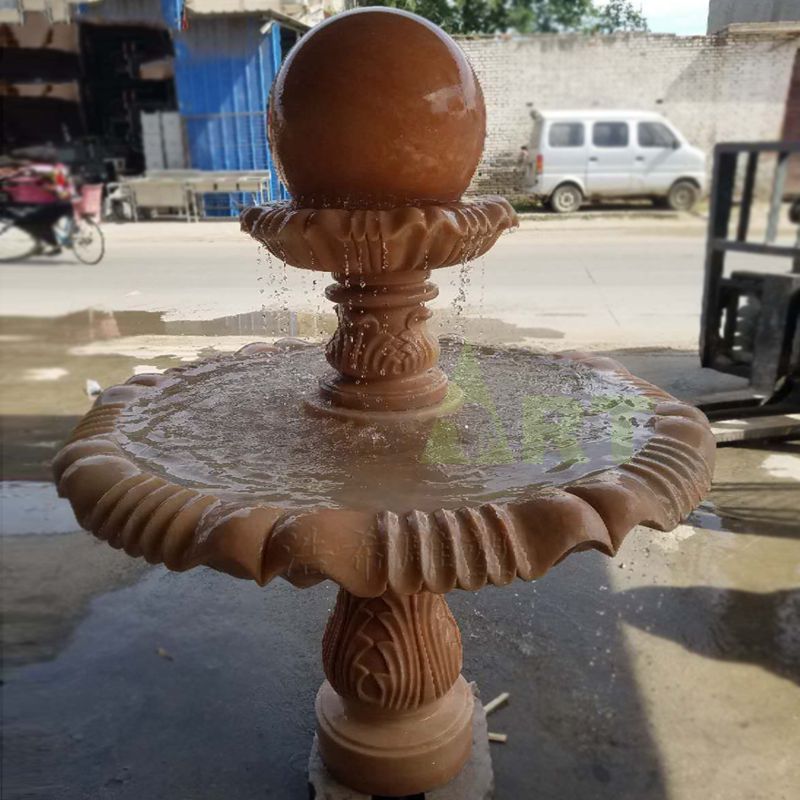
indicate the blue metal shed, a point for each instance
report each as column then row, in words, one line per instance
column 224, row 67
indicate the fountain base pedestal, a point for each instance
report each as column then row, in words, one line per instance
column 394, row 717
column 395, row 754
column 475, row 781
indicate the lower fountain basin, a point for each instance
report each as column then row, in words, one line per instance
column 225, row 463
column 239, row 428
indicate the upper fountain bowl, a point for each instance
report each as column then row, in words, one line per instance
column 376, row 108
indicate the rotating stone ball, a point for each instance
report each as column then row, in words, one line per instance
column 376, row 108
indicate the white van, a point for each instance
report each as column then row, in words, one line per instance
column 576, row 155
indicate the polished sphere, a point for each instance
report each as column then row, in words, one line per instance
column 376, row 108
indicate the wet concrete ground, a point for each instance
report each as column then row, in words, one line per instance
column 672, row 671
column 558, row 284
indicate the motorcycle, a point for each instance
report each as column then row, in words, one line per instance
column 41, row 212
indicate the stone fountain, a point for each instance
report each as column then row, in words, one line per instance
column 383, row 477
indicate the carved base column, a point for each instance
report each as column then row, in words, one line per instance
column 385, row 358
column 395, row 715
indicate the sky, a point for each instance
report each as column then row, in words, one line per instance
column 685, row 17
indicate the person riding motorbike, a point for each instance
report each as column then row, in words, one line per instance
column 45, row 191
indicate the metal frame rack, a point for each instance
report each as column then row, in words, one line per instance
column 751, row 320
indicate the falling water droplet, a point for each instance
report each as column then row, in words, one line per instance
column 460, row 300
column 346, row 264
column 283, row 298
column 260, row 282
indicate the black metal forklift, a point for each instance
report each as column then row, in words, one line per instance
column 751, row 319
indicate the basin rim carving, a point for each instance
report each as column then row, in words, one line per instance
column 369, row 553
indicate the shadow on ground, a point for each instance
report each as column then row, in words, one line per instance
column 726, row 624
column 201, row 686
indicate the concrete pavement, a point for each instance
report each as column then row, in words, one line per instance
column 594, row 283
column 671, row 672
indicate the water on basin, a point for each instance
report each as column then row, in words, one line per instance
column 240, row 429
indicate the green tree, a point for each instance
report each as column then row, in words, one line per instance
column 477, row 16
column 439, row 12
column 522, row 16
column 548, row 16
column 616, row 15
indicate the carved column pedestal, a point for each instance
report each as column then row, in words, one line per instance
column 395, row 715
column 382, row 353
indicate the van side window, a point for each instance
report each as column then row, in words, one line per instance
column 655, row 134
column 610, row 134
column 566, row 134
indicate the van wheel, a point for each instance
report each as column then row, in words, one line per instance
column 682, row 196
column 566, row 198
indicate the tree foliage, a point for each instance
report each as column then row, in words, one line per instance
column 523, row 16
column 616, row 15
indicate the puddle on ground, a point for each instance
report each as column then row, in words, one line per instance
column 756, row 490
column 48, row 361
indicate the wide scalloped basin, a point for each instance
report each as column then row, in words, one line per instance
column 220, row 463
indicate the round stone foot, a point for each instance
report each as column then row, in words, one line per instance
column 388, row 396
column 451, row 403
column 395, row 754
column 474, row 782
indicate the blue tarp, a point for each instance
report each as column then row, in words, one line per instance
column 172, row 11
column 224, row 68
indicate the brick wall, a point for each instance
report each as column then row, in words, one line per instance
column 713, row 88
